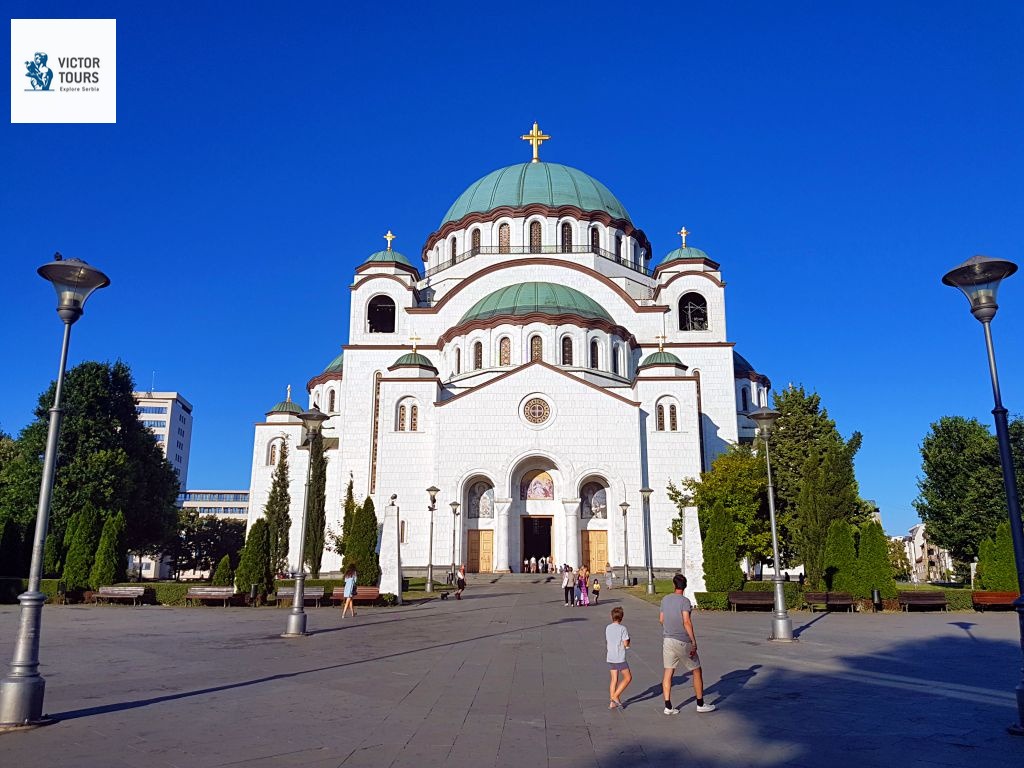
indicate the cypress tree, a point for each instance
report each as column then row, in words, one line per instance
column 276, row 513
column 223, row 577
column 984, row 563
column 316, row 515
column 840, row 573
column 361, row 549
column 52, row 563
column 109, row 554
column 721, row 570
column 1001, row 573
column 85, row 531
column 254, row 564
column 350, row 515
column 10, row 550
column 874, row 569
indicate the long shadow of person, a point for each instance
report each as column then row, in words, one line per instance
column 723, row 688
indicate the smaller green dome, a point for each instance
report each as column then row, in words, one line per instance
column 335, row 366
column 661, row 358
column 389, row 257
column 686, row 252
column 528, row 298
column 414, row 358
column 286, row 406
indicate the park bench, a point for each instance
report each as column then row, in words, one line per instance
column 751, row 599
column 925, row 598
column 224, row 594
column 1002, row 599
column 119, row 593
column 363, row 595
column 828, row 600
column 286, row 595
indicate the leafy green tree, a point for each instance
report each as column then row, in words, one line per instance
column 961, row 497
column 984, row 562
column 874, row 569
column 254, row 564
column 106, row 458
column 203, row 540
column 840, row 559
column 223, row 576
column 1001, row 571
column 721, row 570
column 85, row 534
column 316, row 508
column 111, row 555
column 361, row 546
column 898, row 560
column 11, row 562
column 276, row 512
column 828, row 492
column 738, row 482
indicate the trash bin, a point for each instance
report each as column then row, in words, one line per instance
column 876, row 601
column 405, row 585
column 254, row 592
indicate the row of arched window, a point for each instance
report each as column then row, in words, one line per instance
column 670, row 410
column 536, row 347
column 536, row 240
column 332, row 402
column 407, row 418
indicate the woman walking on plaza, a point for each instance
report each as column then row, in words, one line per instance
column 350, row 591
column 460, row 582
column 568, row 585
column 584, row 592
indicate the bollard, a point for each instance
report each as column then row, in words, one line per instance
column 876, row 600
column 253, row 594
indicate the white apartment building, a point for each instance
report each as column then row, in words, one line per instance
column 169, row 416
column 219, row 503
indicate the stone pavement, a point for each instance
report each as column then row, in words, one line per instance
column 511, row 677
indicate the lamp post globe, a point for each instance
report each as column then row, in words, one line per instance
column 979, row 278
column 22, row 690
column 645, row 494
column 782, row 624
column 432, row 492
column 312, row 420
column 624, row 506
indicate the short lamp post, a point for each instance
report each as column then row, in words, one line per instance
column 455, row 526
column 21, row 692
column 296, row 627
column 782, row 625
column 979, row 279
column 432, row 492
column 624, row 506
column 645, row 494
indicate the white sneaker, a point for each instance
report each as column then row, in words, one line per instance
column 673, row 711
column 706, row 708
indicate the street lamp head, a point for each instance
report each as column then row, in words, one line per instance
column 765, row 418
column 645, row 493
column 455, row 508
column 433, row 491
column 312, row 419
column 624, row 506
column 979, row 279
column 74, row 281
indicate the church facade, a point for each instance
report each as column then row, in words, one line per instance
column 536, row 367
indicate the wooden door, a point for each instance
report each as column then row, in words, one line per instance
column 594, row 550
column 481, row 551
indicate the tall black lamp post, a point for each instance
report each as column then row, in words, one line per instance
column 624, row 506
column 455, row 525
column 645, row 494
column 979, row 279
column 432, row 492
column 21, row 692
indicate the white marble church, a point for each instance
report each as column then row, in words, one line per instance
column 538, row 366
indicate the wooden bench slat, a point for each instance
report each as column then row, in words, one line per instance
column 923, row 598
column 362, row 595
column 224, row 594
column 829, row 600
column 120, row 593
column 984, row 597
column 751, row 598
column 309, row 593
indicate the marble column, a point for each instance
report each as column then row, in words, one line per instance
column 501, row 508
column 572, row 532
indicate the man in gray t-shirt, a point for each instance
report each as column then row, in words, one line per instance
column 679, row 645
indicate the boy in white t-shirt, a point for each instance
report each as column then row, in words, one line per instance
column 617, row 637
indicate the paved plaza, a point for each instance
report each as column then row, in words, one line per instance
column 511, row 677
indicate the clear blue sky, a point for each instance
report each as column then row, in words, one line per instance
column 836, row 159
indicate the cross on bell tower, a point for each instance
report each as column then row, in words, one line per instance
column 536, row 138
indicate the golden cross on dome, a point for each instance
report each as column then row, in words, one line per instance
column 661, row 342
column 414, row 339
column 536, row 138
column 683, row 233
column 288, row 397
column 389, row 237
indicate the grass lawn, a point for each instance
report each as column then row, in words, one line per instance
column 417, row 589
column 662, row 587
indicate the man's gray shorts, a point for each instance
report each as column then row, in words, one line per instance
column 675, row 652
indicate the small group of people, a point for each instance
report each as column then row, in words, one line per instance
column 578, row 586
column 541, row 565
column 678, row 648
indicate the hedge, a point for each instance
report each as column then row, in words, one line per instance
column 11, row 588
column 959, row 599
column 791, row 589
column 712, row 601
column 327, row 584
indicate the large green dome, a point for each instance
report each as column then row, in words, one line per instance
column 550, row 184
column 527, row 298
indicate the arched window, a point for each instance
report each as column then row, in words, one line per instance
column 566, row 350
column 330, row 401
column 476, row 241
column 615, row 359
column 451, row 250
column 566, row 237
column 535, row 237
column 536, row 348
column 673, row 421
column 661, row 418
column 458, row 361
column 380, row 315
column 272, row 454
column 505, row 351
column 478, row 356
column 595, row 239
column 414, row 418
column 693, row 312
column 595, row 357
column 401, row 418
column 744, row 400
column 504, row 238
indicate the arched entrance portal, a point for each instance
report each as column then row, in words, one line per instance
column 536, row 518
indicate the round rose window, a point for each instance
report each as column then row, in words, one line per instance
column 536, row 410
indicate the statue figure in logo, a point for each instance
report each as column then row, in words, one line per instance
column 38, row 73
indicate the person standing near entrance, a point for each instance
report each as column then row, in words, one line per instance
column 460, row 582
column 679, row 645
column 567, row 585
